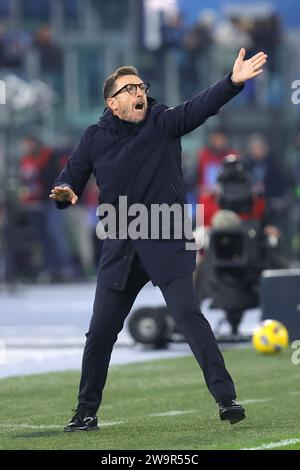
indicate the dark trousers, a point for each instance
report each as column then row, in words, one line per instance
column 111, row 307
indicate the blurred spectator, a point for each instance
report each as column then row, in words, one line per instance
column 210, row 159
column 14, row 46
column 266, row 35
column 197, row 42
column 173, row 30
column 172, row 48
column 51, row 58
column 267, row 178
column 232, row 33
column 38, row 167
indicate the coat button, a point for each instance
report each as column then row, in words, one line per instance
column 115, row 283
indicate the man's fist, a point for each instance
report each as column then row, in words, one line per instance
column 63, row 194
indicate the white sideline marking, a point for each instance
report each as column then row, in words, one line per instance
column 273, row 445
column 115, row 423
column 110, row 423
column 174, row 413
column 254, row 400
column 53, row 426
column 30, row 426
column 179, row 412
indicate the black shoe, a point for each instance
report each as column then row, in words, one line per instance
column 231, row 410
column 81, row 421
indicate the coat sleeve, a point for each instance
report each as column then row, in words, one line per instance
column 77, row 170
column 178, row 121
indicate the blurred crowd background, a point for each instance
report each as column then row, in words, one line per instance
column 54, row 57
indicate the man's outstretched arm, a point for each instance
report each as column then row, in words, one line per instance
column 178, row 121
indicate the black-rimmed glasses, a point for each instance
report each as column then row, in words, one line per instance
column 131, row 88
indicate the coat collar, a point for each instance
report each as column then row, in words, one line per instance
column 113, row 123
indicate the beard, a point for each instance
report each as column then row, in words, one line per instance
column 133, row 115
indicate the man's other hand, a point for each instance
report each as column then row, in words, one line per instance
column 63, row 194
column 243, row 70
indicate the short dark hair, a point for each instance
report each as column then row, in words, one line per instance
column 109, row 84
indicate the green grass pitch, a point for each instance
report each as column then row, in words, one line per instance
column 158, row 405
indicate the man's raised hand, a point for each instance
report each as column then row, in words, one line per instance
column 63, row 194
column 243, row 70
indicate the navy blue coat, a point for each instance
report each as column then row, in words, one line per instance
column 143, row 162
